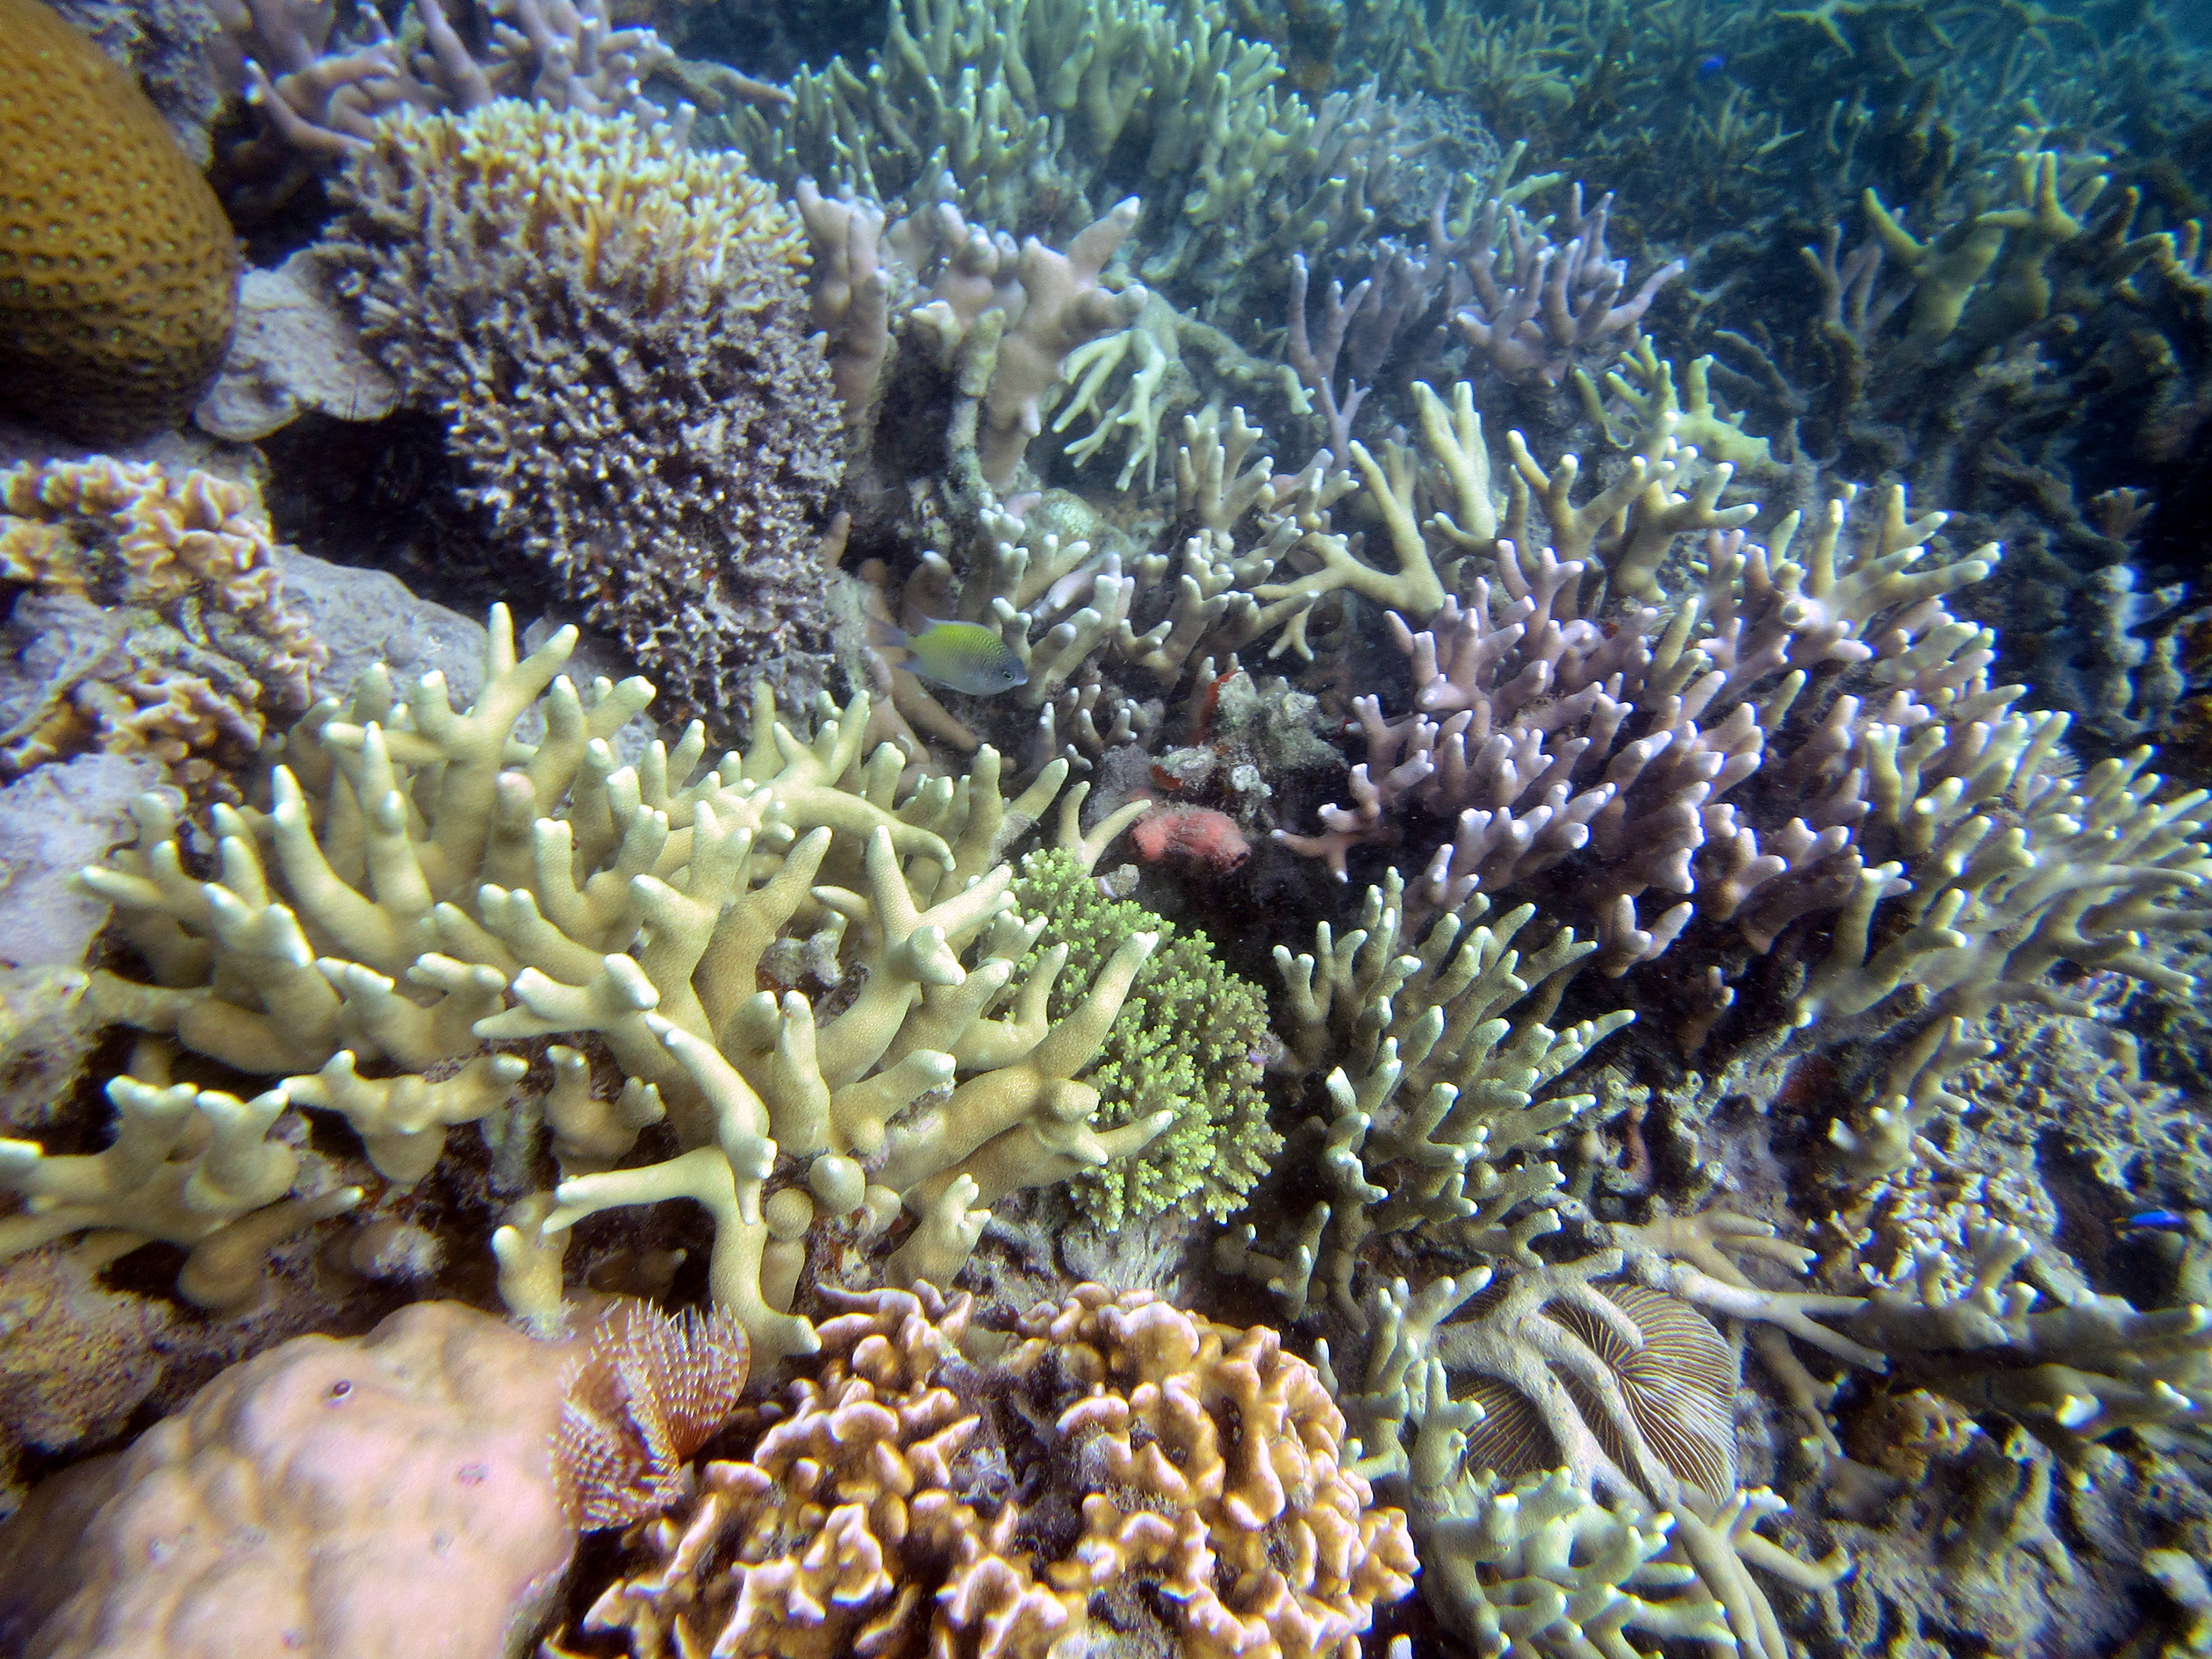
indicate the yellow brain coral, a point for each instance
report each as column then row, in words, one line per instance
column 118, row 273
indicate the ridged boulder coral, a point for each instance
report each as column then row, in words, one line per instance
column 118, row 273
column 341, row 1499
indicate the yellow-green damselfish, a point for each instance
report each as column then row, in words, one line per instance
column 964, row 656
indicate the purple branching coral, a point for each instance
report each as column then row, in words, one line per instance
column 1801, row 729
column 1546, row 304
column 320, row 88
column 1532, row 309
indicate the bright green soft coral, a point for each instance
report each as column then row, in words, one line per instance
column 1184, row 1042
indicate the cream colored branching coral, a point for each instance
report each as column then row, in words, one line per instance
column 425, row 882
column 1253, row 558
column 191, row 1166
column 1434, row 1076
column 1978, row 1313
column 1001, row 316
column 872, row 1511
column 164, row 587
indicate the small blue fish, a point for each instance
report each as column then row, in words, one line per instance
column 964, row 656
column 1711, row 65
column 2157, row 1221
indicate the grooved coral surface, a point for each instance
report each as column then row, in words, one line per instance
column 335, row 1498
column 118, row 270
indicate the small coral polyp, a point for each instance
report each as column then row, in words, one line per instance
column 424, row 886
column 921, row 1490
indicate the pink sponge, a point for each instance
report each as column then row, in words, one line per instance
column 1197, row 833
column 329, row 1500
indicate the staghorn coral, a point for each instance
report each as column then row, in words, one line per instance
column 320, row 89
column 611, row 326
column 1795, row 733
column 337, row 1497
column 117, row 271
column 1549, row 303
column 179, row 643
column 1434, row 1121
column 1001, row 319
column 873, row 1508
column 405, row 900
column 1567, row 1445
column 1040, row 115
column 1956, row 1312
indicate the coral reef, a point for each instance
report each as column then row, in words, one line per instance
column 341, row 893
column 874, row 1509
column 320, row 89
column 1589, row 760
column 118, row 270
column 1718, row 1162
column 611, row 328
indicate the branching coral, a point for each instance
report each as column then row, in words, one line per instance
column 1000, row 318
column 424, row 882
column 1580, row 1481
column 1541, row 305
column 611, row 327
column 1042, row 115
column 320, row 92
column 160, row 593
column 1958, row 1314
column 1436, row 1126
column 1798, row 733
column 874, row 1509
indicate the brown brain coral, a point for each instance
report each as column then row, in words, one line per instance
column 155, row 615
column 118, row 273
column 915, row 1496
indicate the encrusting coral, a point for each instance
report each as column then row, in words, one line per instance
column 423, row 881
column 160, row 590
column 876, row 1509
column 613, row 328
column 118, row 273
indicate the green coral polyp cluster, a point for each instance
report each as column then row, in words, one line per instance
column 1185, row 1042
